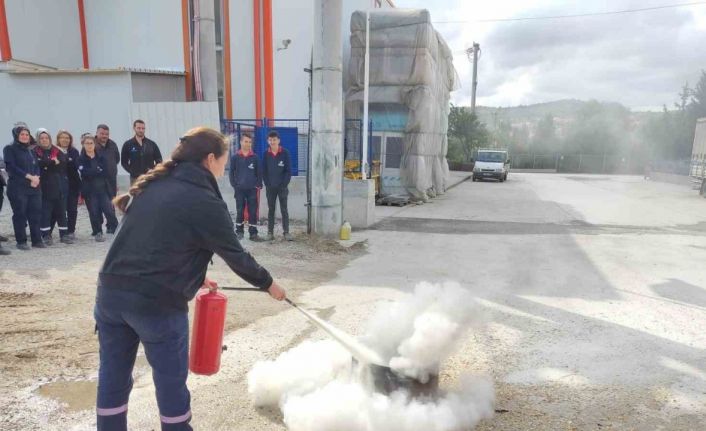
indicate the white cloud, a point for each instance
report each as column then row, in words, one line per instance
column 640, row 59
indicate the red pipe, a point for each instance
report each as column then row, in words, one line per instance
column 258, row 67
column 269, row 59
column 186, row 42
column 84, row 38
column 5, row 49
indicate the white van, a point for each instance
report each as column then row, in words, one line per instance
column 491, row 164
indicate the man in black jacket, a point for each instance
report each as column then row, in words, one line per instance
column 277, row 172
column 139, row 154
column 111, row 154
column 246, row 178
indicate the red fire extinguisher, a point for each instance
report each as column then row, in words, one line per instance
column 207, row 333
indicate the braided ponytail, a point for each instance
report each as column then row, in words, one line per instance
column 194, row 146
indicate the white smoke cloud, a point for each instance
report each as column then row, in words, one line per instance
column 318, row 389
column 300, row 370
column 416, row 334
column 349, row 406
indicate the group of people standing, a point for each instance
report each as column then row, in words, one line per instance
column 247, row 174
column 45, row 180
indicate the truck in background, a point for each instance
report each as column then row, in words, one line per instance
column 491, row 163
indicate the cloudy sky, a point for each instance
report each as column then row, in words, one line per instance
column 638, row 59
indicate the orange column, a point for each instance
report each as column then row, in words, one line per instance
column 5, row 50
column 186, row 42
column 84, row 38
column 228, row 91
column 269, row 59
column 258, row 66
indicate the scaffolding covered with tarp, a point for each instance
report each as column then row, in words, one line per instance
column 411, row 66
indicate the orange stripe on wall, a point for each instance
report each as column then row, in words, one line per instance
column 269, row 59
column 228, row 96
column 186, row 42
column 84, row 37
column 5, row 49
column 258, row 66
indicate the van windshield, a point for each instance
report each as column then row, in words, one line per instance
column 491, row 156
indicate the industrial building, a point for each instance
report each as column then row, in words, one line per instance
column 72, row 64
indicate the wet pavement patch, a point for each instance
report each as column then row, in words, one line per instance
column 75, row 396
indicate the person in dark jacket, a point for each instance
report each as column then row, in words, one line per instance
column 23, row 189
column 246, row 179
column 95, row 188
column 277, row 172
column 53, row 182
column 3, row 183
column 175, row 220
column 65, row 141
column 111, row 154
column 139, row 154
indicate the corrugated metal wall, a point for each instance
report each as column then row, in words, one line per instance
column 167, row 121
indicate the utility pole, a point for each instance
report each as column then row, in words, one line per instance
column 366, row 98
column 326, row 156
column 474, row 50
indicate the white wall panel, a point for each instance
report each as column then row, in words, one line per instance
column 135, row 33
column 167, row 121
column 45, row 32
column 76, row 102
column 242, row 58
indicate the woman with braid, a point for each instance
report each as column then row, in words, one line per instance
column 174, row 221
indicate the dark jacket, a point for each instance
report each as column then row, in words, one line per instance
column 19, row 162
column 52, row 179
column 277, row 168
column 72, row 174
column 93, row 174
column 111, row 155
column 168, row 236
column 245, row 171
column 3, row 183
column 138, row 159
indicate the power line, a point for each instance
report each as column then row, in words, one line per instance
column 581, row 15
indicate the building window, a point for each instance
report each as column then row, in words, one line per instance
column 393, row 152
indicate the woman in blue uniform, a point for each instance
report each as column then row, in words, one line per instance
column 175, row 220
column 23, row 189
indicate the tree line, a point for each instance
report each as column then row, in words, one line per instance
column 597, row 128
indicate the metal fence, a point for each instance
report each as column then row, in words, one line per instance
column 579, row 163
column 352, row 137
column 299, row 129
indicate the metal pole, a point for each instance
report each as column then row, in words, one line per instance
column 476, row 48
column 366, row 94
column 207, row 50
column 327, row 120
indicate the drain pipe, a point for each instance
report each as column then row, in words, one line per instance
column 204, row 57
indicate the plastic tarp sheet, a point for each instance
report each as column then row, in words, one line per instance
column 410, row 65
